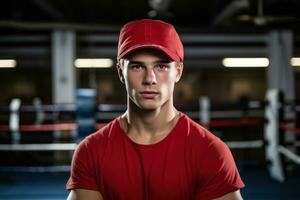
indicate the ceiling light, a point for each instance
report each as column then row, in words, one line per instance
column 8, row 63
column 93, row 63
column 295, row 61
column 245, row 62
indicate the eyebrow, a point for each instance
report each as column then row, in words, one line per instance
column 156, row 62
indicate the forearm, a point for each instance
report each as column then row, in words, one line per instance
column 82, row 194
column 236, row 195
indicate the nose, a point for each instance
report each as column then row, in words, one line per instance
column 150, row 77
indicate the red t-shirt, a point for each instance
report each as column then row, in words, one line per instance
column 189, row 163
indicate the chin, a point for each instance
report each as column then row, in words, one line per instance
column 148, row 106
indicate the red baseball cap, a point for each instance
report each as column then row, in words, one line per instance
column 148, row 33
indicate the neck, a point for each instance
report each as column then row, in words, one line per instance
column 150, row 123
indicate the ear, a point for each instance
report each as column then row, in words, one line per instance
column 120, row 72
column 179, row 70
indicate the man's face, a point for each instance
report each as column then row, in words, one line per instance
column 149, row 77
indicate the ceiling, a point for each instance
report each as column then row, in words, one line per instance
column 193, row 14
column 26, row 26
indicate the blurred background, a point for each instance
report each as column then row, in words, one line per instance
column 235, row 51
column 210, row 30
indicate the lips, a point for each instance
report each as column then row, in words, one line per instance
column 148, row 94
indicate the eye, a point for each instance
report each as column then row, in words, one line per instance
column 161, row 67
column 136, row 67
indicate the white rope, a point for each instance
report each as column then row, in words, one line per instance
column 38, row 147
column 72, row 146
column 289, row 154
column 245, row 144
column 36, row 169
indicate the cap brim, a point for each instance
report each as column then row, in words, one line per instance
column 164, row 50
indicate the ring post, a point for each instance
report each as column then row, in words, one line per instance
column 204, row 111
column 40, row 114
column 273, row 114
column 86, row 112
column 14, row 120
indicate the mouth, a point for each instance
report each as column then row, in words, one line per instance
column 149, row 94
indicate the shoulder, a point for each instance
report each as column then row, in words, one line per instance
column 102, row 136
column 199, row 134
column 202, row 143
column 212, row 162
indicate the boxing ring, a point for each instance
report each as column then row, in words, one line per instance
column 275, row 119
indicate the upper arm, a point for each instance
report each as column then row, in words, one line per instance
column 236, row 195
column 82, row 194
column 83, row 169
column 219, row 174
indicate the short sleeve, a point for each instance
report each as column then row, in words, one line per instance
column 82, row 169
column 218, row 172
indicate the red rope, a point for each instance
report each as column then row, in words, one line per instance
column 4, row 128
column 98, row 126
column 286, row 127
column 214, row 123
column 235, row 122
column 73, row 126
column 47, row 127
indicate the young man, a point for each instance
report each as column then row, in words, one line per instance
column 152, row 151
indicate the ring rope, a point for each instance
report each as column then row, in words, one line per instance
column 245, row 144
column 290, row 129
column 72, row 146
column 235, row 122
column 36, row 169
column 47, row 127
column 39, row 147
column 73, row 126
column 289, row 154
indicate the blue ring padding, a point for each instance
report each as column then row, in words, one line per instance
column 111, row 107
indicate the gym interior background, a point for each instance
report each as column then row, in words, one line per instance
column 41, row 42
